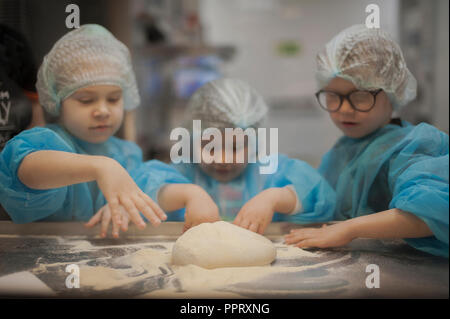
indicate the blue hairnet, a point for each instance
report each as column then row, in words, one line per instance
column 227, row 102
column 83, row 57
column 370, row 59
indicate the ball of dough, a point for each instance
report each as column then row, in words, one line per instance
column 222, row 244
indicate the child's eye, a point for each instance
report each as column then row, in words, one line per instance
column 86, row 101
column 113, row 101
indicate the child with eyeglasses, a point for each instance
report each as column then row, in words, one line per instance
column 391, row 177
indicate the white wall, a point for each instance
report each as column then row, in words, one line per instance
column 255, row 27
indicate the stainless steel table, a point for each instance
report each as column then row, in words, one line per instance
column 332, row 273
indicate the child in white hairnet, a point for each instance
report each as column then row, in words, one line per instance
column 76, row 169
column 243, row 193
column 390, row 177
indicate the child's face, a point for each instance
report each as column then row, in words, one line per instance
column 357, row 124
column 93, row 113
column 219, row 169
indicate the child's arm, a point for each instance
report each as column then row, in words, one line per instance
column 296, row 190
column 257, row 213
column 392, row 224
column 316, row 200
column 53, row 169
column 200, row 207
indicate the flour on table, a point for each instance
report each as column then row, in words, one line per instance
column 146, row 260
column 143, row 263
column 290, row 252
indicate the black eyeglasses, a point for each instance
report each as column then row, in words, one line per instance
column 360, row 100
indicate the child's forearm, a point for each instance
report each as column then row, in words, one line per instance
column 393, row 223
column 175, row 196
column 53, row 169
column 283, row 198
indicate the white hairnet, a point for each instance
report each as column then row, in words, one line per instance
column 85, row 56
column 227, row 102
column 369, row 58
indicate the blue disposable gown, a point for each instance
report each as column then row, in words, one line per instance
column 404, row 167
column 316, row 196
column 74, row 202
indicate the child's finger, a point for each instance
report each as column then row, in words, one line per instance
column 293, row 234
column 262, row 227
column 94, row 219
column 158, row 210
column 187, row 225
column 307, row 243
column 133, row 212
column 304, row 232
column 294, row 238
column 298, row 235
column 114, row 208
column 253, row 227
column 147, row 211
column 296, row 230
column 237, row 220
column 125, row 221
column 115, row 230
column 245, row 223
column 106, row 218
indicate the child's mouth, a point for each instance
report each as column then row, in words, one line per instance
column 349, row 124
column 222, row 170
column 100, row 127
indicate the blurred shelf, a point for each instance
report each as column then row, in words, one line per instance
column 226, row 53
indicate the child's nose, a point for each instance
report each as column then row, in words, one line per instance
column 219, row 157
column 101, row 109
column 346, row 107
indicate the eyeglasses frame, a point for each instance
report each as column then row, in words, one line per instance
column 346, row 96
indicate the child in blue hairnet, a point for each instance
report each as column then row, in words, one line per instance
column 243, row 191
column 76, row 169
column 390, row 177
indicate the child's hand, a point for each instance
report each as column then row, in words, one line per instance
column 327, row 236
column 200, row 208
column 257, row 213
column 104, row 215
column 119, row 189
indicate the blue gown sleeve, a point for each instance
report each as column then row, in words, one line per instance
column 22, row 203
column 419, row 181
column 317, row 198
column 127, row 153
column 152, row 175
